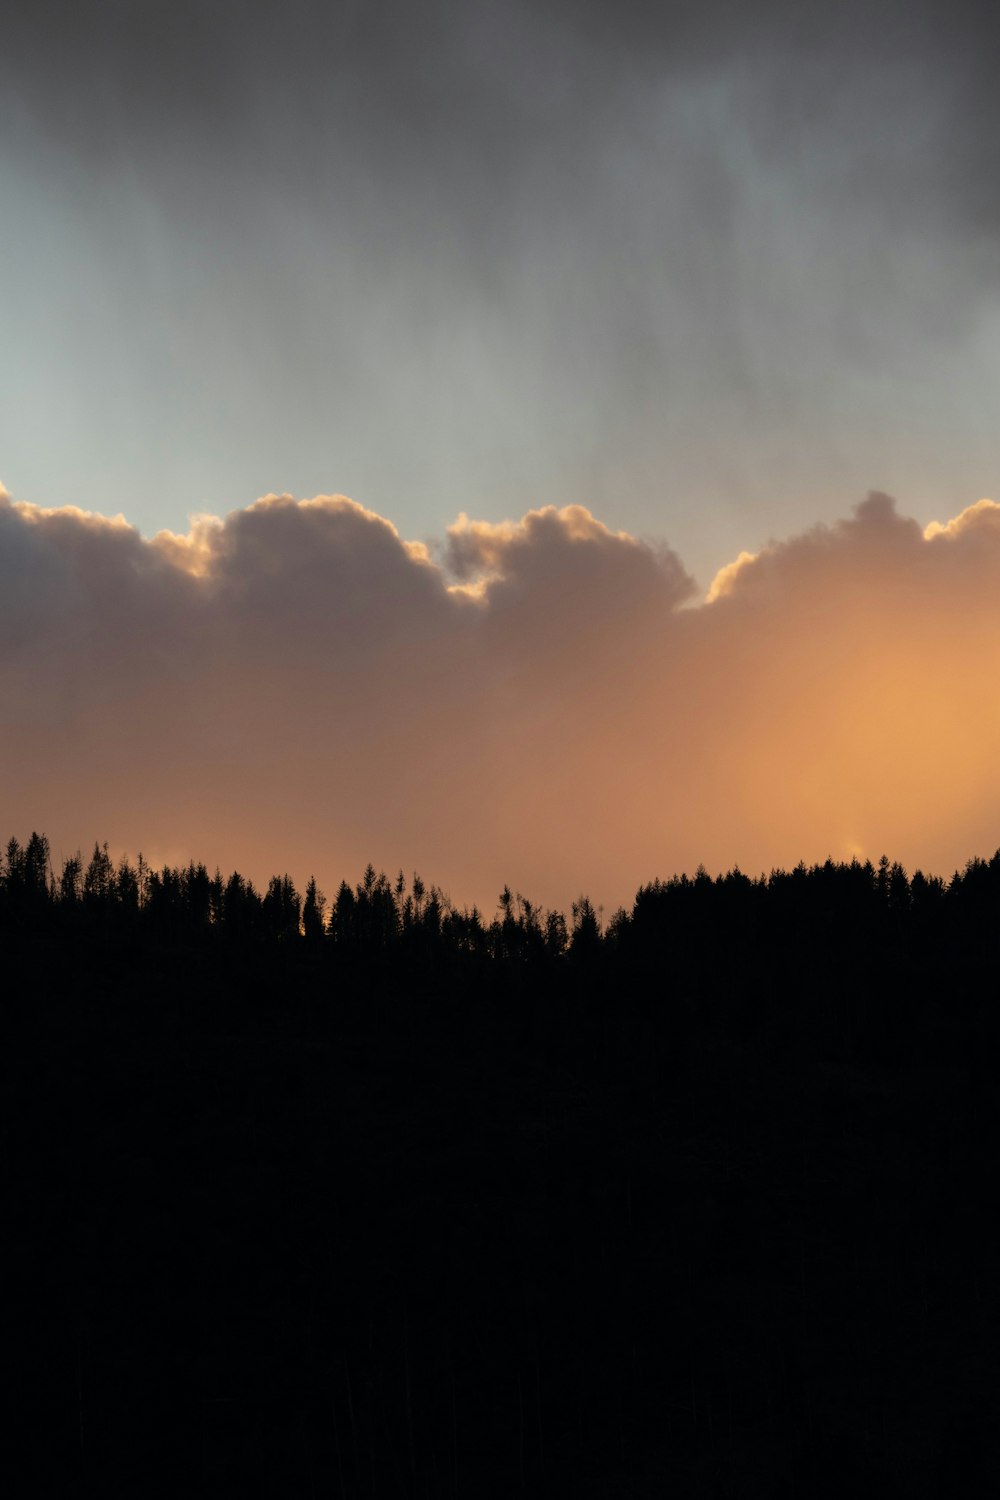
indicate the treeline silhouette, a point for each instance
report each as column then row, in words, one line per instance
column 377, row 1196
column 851, row 906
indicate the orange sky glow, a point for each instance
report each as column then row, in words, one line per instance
column 545, row 702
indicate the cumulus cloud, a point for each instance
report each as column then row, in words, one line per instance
column 543, row 702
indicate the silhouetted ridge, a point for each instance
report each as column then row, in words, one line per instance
column 375, row 1196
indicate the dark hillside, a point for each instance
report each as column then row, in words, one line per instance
column 391, row 1200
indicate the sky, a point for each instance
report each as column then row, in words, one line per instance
column 712, row 270
column 564, row 297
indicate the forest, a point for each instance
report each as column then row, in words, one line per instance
column 379, row 1196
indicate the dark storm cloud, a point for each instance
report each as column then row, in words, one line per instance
column 279, row 86
column 490, row 148
column 654, row 258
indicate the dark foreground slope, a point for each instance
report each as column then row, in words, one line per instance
column 699, row 1207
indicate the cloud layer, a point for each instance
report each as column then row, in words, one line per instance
column 544, row 702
